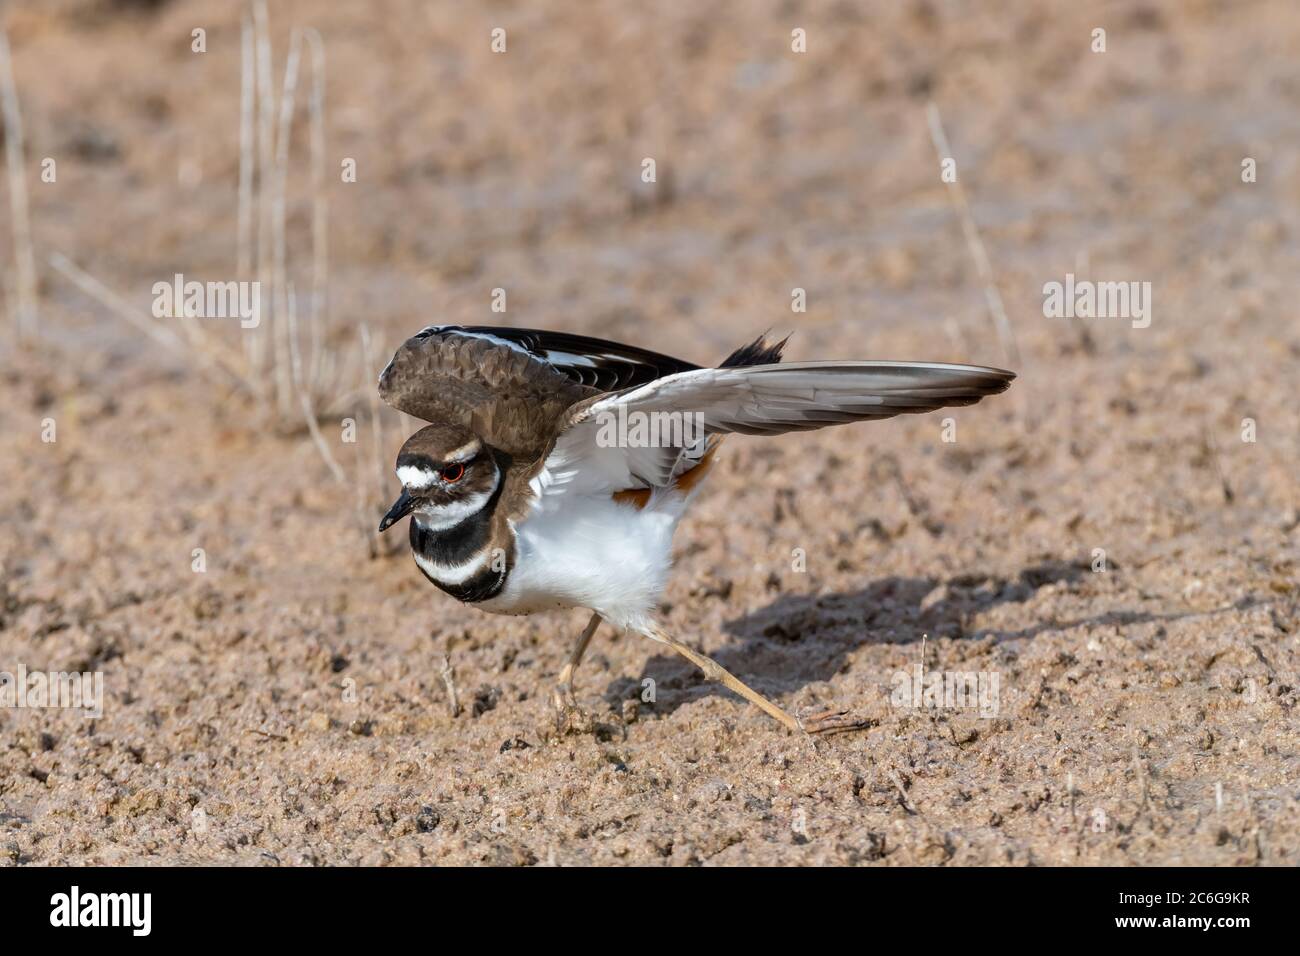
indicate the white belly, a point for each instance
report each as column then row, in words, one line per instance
column 592, row 552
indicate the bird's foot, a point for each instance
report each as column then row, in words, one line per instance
column 834, row 722
column 569, row 717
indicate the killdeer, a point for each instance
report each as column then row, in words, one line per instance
column 520, row 502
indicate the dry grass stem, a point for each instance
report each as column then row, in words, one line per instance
column 22, row 299
column 1001, row 324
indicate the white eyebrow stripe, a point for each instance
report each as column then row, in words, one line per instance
column 412, row 477
column 465, row 452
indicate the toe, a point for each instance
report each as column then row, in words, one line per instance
column 834, row 722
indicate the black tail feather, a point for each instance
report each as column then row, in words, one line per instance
column 757, row 352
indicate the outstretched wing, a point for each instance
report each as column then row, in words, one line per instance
column 513, row 387
column 770, row 399
column 755, row 400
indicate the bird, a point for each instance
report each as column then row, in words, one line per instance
column 554, row 468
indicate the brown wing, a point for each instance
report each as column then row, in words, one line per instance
column 511, row 398
column 599, row 363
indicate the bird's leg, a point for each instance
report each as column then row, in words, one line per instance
column 564, row 689
column 829, row 722
column 715, row 671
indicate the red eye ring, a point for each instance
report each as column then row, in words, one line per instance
column 453, row 473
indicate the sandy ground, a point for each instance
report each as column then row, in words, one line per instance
column 285, row 706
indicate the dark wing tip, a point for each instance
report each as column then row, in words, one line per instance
column 1001, row 373
column 999, row 378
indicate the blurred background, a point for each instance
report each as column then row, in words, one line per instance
column 523, row 170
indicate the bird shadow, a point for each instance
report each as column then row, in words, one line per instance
column 803, row 639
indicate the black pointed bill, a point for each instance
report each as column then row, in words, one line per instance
column 402, row 507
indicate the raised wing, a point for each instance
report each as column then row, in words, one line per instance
column 513, row 387
column 514, row 400
column 756, row 400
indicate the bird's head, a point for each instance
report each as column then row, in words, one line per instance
column 447, row 475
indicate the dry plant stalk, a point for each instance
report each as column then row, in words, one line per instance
column 286, row 378
column 22, row 300
column 374, row 465
column 370, row 474
column 244, row 227
column 1001, row 324
column 364, row 526
column 308, row 412
column 1086, row 341
column 208, row 355
column 267, row 121
column 319, row 206
column 263, row 85
column 279, row 281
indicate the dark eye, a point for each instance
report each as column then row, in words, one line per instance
column 453, row 473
